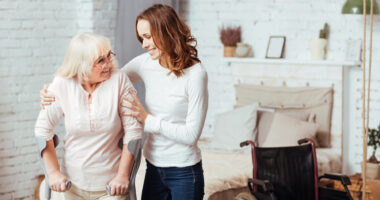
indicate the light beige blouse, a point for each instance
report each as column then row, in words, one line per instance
column 91, row 154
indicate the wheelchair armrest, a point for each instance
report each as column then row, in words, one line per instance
column 342, row 178
column 336, row 176
column 265, row 184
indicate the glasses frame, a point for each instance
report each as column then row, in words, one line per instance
column 108, row 59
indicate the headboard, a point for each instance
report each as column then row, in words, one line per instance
column 309, row 99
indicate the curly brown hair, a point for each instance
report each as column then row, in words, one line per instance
column 172, row 36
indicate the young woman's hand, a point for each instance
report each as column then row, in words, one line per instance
column 119, row 185
column 137, row 109
column 57, row 181
column 45, row 98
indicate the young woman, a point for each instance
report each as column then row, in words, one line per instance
column 176, row 100
column 88, row 90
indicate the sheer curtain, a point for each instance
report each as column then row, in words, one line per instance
column 126, row 44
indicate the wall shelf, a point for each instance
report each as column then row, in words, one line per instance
column 293, row 62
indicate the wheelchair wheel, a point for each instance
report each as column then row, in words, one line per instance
column 244, row 196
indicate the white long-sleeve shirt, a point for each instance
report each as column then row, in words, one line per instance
column 177, row 107
column 91, row 154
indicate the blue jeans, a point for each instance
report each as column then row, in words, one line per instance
column 173, row 183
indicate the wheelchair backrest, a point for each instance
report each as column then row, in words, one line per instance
column 290, row 170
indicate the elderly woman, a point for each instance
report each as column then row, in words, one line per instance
column 88, row 90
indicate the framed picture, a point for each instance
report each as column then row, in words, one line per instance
column 275, row 47
column 353, row 50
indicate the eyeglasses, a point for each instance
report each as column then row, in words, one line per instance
column 104, row 60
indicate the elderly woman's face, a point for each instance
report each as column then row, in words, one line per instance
column 102, row 67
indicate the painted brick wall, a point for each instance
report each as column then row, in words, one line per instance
column 299, row 21
column 34, row 35
column 33, row 39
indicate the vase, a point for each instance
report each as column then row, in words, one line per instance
column 318, row 48
column 243, row 50
column 229, row 51
column 373, row 170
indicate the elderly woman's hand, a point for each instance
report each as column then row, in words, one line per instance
column 136, row 108
column 45, row 98
column 57, row 181
column 119, row 185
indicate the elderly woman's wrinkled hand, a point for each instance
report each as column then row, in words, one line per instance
column 57, row 181
column 119, row 185
column 136, row 108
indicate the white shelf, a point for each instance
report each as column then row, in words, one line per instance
column 293, row 61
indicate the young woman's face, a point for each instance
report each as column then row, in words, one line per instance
column 143, row 29
column 101, row 69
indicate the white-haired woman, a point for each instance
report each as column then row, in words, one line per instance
column 88, row 90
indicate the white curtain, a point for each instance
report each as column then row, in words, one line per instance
column 126, row 44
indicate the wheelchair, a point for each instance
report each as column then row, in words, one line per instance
column 133, row 146
column 290, row 173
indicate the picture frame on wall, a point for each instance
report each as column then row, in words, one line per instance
column 275, row 47
column 353, row 50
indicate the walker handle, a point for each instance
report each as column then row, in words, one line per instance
column 108, row 188
column 68, row 185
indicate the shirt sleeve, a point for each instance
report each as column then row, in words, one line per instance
column 189, row 132
column 132, row 68
column 132, row 128
column 50, row 116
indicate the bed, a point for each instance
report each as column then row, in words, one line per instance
column 223, row 170
column 226, row 172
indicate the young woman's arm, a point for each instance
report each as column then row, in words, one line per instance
column 187, row 133
column 190, row 132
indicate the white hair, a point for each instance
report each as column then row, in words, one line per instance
column 83, row 50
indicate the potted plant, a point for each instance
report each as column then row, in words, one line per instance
column 230, row 36
column 318, row 46
column 373, row 166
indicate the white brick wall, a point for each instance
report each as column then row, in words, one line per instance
column 34, row 36
column 33, row 39
column 299, row 21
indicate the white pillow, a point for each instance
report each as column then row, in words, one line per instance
column 233, row 127
column 286, row 131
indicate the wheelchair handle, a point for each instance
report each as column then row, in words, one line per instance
column 302, row 141
column 245, row 143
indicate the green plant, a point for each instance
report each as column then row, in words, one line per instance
column 324, row 33
column 230, row 36
column 374, row 141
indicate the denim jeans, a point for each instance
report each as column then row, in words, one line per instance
column 173, row 183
